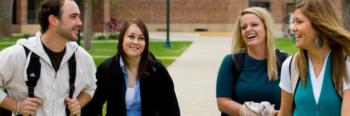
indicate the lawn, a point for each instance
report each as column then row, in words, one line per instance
column 286, row 45
column 102, row 49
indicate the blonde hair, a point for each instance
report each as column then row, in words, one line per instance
column 238, row 44
column 327, row 22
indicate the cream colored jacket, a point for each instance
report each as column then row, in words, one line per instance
column 52, row 87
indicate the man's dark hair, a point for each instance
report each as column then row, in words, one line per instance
column 49, row 7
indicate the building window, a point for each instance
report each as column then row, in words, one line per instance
column 289, row 11
column 260, row 4
column 14, row 11
column 33, row 6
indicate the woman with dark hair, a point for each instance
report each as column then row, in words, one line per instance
column 315, row 81
column 133, row 83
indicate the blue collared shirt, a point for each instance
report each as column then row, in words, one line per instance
column 134, row 107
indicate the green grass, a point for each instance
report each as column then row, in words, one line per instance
column 5, row 44
column 286, row 45
column 8, row 41
column 102, row 50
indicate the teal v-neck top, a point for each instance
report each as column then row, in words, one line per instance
column 329, row 103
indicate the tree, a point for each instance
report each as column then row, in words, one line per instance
column 346, row 12
column 88, row 34
column 6, row 7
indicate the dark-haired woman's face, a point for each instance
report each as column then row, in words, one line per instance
column 134, row 42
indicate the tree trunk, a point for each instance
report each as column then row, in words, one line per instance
column 88, row 34
column 346, row 12
column 6, row 7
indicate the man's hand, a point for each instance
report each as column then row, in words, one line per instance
column 29, row 106
column 73, row 106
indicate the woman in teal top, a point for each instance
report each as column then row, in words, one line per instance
column 315, row 81
column 257, row 81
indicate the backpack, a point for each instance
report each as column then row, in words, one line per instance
column 238, row 63
column 33, row 74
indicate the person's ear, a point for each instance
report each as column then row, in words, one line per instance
column 53, row 20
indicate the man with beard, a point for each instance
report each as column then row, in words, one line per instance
column 48, row 74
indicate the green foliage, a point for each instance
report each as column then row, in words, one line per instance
column 113, row 36
column 101, row 37
column 107, row 37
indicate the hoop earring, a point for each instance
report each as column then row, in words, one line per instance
column 319, row 42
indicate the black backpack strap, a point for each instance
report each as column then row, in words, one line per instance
column 72, row 74
column 238, row 60
column 33, row 71
column 280, row 57
column 237, row 65
column 26, row 50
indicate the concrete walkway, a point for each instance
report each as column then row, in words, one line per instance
column 194, row 73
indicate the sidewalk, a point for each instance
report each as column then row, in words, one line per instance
column 194, row 74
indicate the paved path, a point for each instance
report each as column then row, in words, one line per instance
column 194, row 74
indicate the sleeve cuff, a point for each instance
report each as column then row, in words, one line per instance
column 285, row 88
column 2, row 96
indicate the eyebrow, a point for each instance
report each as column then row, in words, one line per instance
column 74, row 14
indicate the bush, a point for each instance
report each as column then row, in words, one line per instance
column 101, row 37
column 26, row 35
column 113, row 36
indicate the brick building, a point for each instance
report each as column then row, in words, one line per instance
column 185, row 15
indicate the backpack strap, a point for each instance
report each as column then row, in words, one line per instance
column 294, row 74
column 33, row 71
column 237, row 65
column 72, row 74
column 280, row 56
column 26, row 50
column 294, row 77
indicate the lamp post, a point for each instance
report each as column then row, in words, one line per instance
column 293, row 36
column 167, row 42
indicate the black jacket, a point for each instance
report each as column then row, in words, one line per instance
column 158, row 97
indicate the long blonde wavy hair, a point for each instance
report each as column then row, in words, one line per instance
column 328, row 23
column 238, row 43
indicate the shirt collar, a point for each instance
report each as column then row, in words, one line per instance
column 122, row 65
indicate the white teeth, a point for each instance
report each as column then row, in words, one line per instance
column 134, row 47
column 251, row 36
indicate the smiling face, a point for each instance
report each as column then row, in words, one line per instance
column 69, row 22
column 252, row 30
column 134, row 42
column 304, row 33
